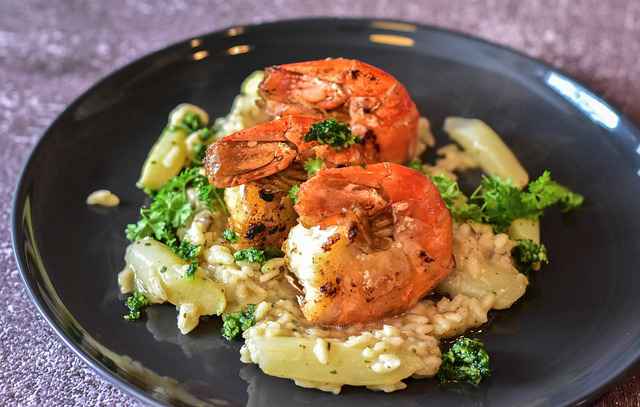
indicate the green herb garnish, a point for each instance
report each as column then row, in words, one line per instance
column 230, row 236
column 191, row 270
column 252, row 255
column 192, row 121
column 455, row 200
column 188, row 250
column 200, row 151
column 466, row 361
column 333, row 133
column 234, row 324
column 135, row 302
column 529, row 255
column 502, row 203
column 170, row 209
column 415, row 164
column 209, row 195
column 293, row 193
column 313, row 165
column 205, row 134
column 498, row 202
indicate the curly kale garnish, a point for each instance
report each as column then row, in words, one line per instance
column 529, row 255
column 230, row 236
column 313, row 165
column 171, row 209
column 466, row 361
column 498, row 202
column 252, row 255
column 135, row 302
column 415, row 164
column 293, row 193
column 234, row 324
column 333, row 133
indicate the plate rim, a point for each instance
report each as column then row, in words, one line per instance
column 137, row 392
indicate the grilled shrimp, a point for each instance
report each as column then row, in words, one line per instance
column 376, row 106
column 273, row 147
column 370, row 243
column 260, row 215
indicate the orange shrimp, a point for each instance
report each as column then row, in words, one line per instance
column 371, row 242
column 272, row 147
column 373, row 102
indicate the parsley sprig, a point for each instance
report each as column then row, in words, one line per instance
column 135, row 303
column 171, row 209
column 498, row 202
column 332, row 132
column 313, row 165
column 529, row 255
column 252, row 255
column 466, row 361
column 293, row 193
column 230, row 236
column 234, row 324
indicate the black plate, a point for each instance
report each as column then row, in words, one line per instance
column 573, row 333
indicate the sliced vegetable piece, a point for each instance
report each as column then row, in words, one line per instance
column 170, row 153
column 486, row 146
column 160, row 276
column 165, row 160
column 183, row 111
column 525, row 229
column 294, row 358
column 250, row 84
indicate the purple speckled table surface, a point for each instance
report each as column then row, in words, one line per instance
column 51, row 51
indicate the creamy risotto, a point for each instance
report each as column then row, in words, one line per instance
column 240, row 225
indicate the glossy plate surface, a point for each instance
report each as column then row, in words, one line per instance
column 572, row 334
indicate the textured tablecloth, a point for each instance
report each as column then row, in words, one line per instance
column 51, row 51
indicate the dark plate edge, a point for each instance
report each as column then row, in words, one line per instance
column 139, row 393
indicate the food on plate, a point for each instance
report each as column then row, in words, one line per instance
column 161, row 276
column 376, row 106
column 283, row 147
column 370, row 242
column 307, row 220
column 259, row 215
column 487, row 148
column 466, row 361
column 175, row 146
column 306, row 102
column 103, row 197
